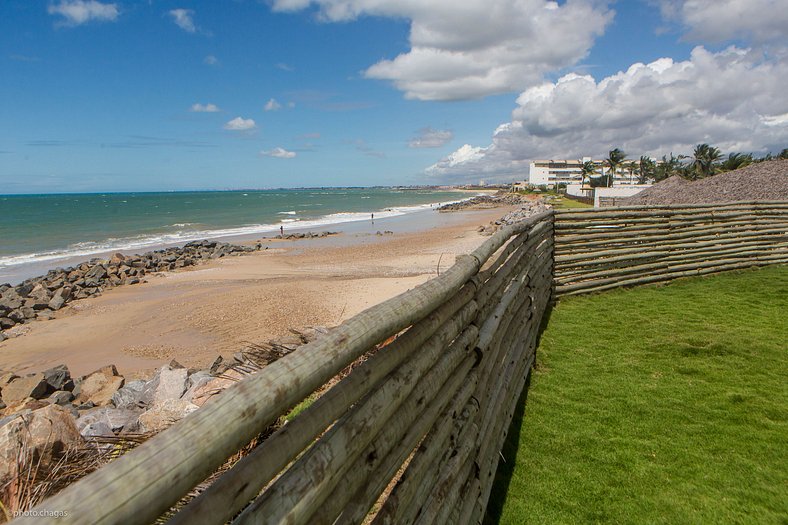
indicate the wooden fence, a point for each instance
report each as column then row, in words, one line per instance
column 597, row 250
column 411, row 435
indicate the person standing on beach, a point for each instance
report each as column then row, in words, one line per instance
column 282, row 231
column 373, row 218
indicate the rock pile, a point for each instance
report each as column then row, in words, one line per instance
column 307, row 235
column 484, row 201
column 39, row 297
column 527, row 209
column 763, row 181
column 47, row 412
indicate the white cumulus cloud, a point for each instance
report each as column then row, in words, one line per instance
column 733, row 99
column 475, row 48
column 204, row 108
column 78, row 12
column 431, row 138
column 210, row 60
column 240, row 124
column 184, row 18
column 279, row 153
column 272, row 105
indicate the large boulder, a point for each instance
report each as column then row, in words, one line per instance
column 169, row 382
column 131, row 395
column 162, row 415
column 95, row 276
column 99, row 386
column 10, row 300
column 45, row 433
column 196, row 381
column 117, row 419
column 201, row 394
column 59, row 378
column 34, row 386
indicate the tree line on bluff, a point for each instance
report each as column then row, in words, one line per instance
column 705, row 161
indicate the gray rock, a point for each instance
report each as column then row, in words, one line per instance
column 61, row 397
column 98, row 429
column 57, row 302
column 117, row 419
column 59, row 378
column 171, row 385
column 6, row 323
column 195, row 383
column 10, row 301
column 3, row 337
column 162, row 415
column 131, row 395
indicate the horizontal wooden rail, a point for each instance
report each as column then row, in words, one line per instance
column 602, row 249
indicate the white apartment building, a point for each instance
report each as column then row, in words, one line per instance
column 569, row 171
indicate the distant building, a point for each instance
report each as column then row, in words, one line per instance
column 569, row 171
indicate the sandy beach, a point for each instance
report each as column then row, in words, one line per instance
column 217, row 308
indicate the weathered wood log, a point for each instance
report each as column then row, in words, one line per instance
column 618, row 211
column 581, row 243
column 497, row 259
column 605, row 231
column 353, row 498
column 641, row 246
column 298, row 493
column 689, row 266
column 238, row 486
column 674, row 220
column 483, row 252
column 673, row 261
column 490, row 294
column 422, row 468
column 567, row 265
column 449, row 479
column 596, row 287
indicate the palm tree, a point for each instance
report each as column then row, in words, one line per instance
column 705, row 157
column 615, row 158
column 588, row 169
column 631, row 167
column 646, row 169
column 783, row 154
column 736, row 161
column 668, row 167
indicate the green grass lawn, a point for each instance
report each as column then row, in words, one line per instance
column 562, row 203
column 660, row 404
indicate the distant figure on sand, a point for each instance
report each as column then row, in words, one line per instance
column 373, row 217
column 282, row 231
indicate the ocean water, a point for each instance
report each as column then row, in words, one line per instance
column 36, row 229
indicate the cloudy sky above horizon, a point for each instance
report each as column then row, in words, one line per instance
column 161, row 95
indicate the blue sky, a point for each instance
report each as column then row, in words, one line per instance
column 113, row 96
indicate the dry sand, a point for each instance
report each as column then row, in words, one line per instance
column 217, row 308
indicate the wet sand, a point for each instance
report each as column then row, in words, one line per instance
column 217, row 308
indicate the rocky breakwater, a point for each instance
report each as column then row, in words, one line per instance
column 305, row 235
column 40, row 297
column 46, row 415
column 481, row 202
column 527, row 209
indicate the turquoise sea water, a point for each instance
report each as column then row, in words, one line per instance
column 44, row 228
